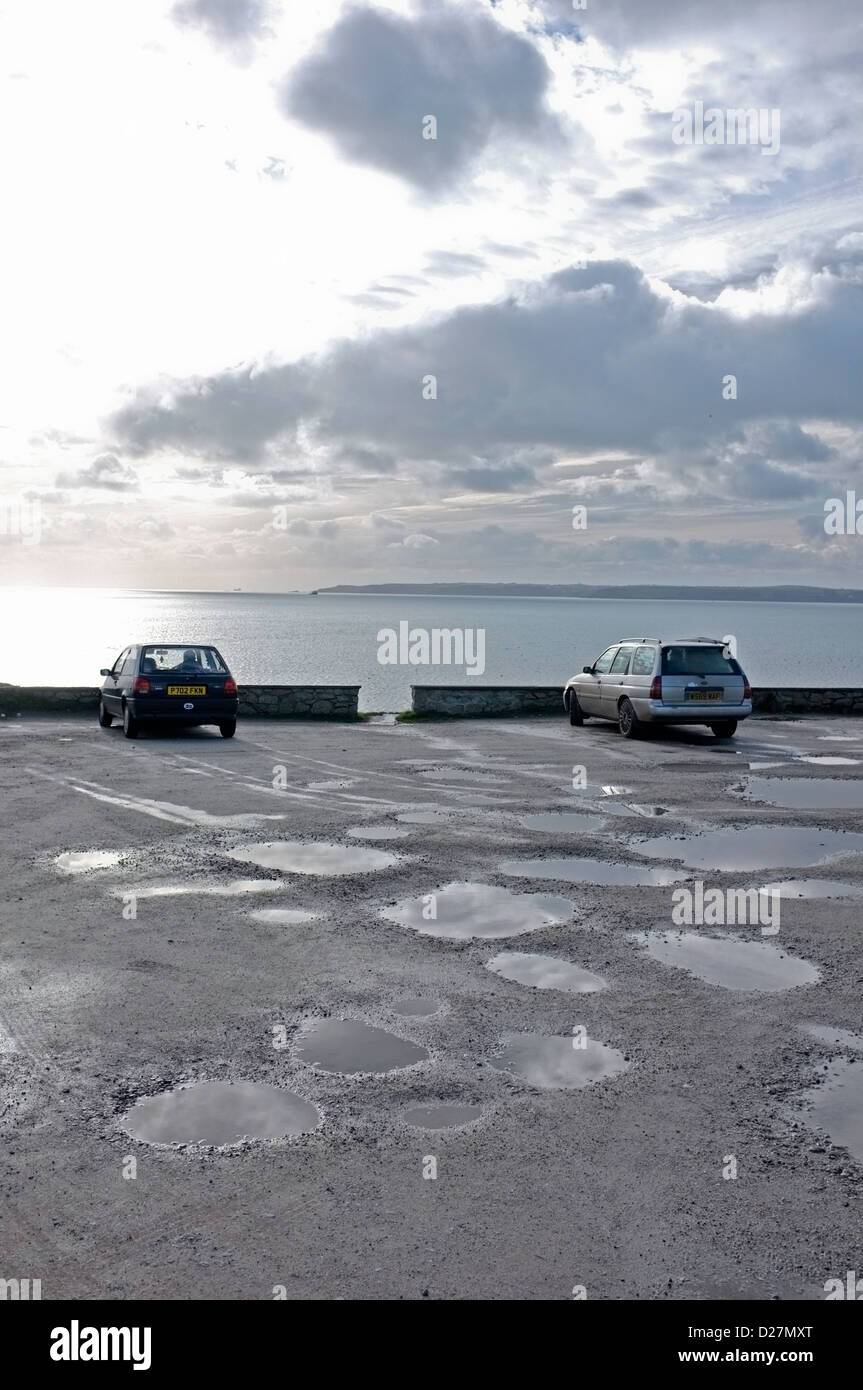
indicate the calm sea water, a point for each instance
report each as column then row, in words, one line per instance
column 63, row 636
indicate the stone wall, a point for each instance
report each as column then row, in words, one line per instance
column 478, row 701
column 263, row 701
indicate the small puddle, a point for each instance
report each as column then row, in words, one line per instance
column 823, row 760
column 752, row 847
column 545, row 972
column 310, row 857
column 378, row 832
column 221, row 1112
column 835, row 1105
column 555, row 1063
column 283, row 916
column 833, row 1037
column 465, row 910
column 805, row 793
column 346, row 1046
column 813, row 888
column 82, row 861
column 753, row 966
column 577, row 821
column 234, row 889
column 441, row 1116
column 419, row 1007
column 589, row 871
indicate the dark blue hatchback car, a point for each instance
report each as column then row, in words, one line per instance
column 185, row 683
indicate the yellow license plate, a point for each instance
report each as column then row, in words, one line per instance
column 705, row 694
column 187, row 690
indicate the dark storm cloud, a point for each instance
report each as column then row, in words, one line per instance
column 229, row 22
column 590, row 359
column 376, row 76
column 106, row 471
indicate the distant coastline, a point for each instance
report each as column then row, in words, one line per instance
column 778, row 593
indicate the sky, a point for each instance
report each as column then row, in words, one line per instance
column 306, row 294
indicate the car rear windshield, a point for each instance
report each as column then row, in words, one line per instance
column 698, row 661
column 185, row 660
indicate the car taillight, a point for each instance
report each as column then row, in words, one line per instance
column 747, row 689
column 141, row 686
column 230, row 687
column 656, row 688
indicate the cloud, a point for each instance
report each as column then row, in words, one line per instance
column 106, row 471
column 377, row 76
column 231, row 23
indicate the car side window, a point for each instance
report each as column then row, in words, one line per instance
column 603, row 665
column 642, row 662
column 118, row 664
column 130, row 662
column 621, row 661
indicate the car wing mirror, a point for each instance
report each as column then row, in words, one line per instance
column 587, row 670
column 105, row 672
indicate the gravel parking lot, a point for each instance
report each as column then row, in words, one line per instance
column 637, row 1115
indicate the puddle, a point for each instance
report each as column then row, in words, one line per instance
column 441, row 1116
column 345, row 1046
column 284, row 916
column 752, row 847
column 82, row 861
column 563, row 820
column 833, row 1037
column 466, row 910
column 589, row 871
column 233, row 889
column 378, row 832
column 613, row 790
column 311, row 857
column 221, row 1112
column 554, row 1063
column 545, row 972
column 804, row 793
column 729, row 961
column 813, row 888
column 824, row 761
column 333, row 785
column 836, row 1105
column 418, row 1007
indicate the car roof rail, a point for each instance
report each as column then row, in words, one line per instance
column 719, row 641
column 639, row 639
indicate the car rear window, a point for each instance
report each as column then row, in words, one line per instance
column 187, row 660
column 697, row 661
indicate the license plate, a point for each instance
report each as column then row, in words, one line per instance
column 187, row 690
column 704, row 694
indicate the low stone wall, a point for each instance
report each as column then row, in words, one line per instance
column 262, row 701
column 488, row 701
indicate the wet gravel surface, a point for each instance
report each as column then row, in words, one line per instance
column 180, row 963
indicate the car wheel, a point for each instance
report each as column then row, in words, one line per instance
column 105, row 719
column 228, row 728
column 130, row 723
column 724, row 728
column 627, row 720
column 576, row 713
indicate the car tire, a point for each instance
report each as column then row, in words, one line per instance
column 227, row 728
column 724, row 728
column 576, row 714
column 628, row 721
column 105, row 719
column 130, row 723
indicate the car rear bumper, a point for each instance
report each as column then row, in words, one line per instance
column 203, row 711
column 657, row 711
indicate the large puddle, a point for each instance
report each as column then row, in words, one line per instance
column 461, row 911
column 441, row 1116
column 752, row 847
column 556, row 1063
column 807, row 793
column 378, row 832
column 221, row 1112
column 314, row 857
column 756, row 966
column 835, row 1105
column 813, row 888
column 82, row 861
column 346, row 1046
column 545, row 972
column 573, row 821
column 589, row 871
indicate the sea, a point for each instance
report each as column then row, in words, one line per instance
column 63, row 636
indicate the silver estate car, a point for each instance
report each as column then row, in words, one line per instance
column 647, row 680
